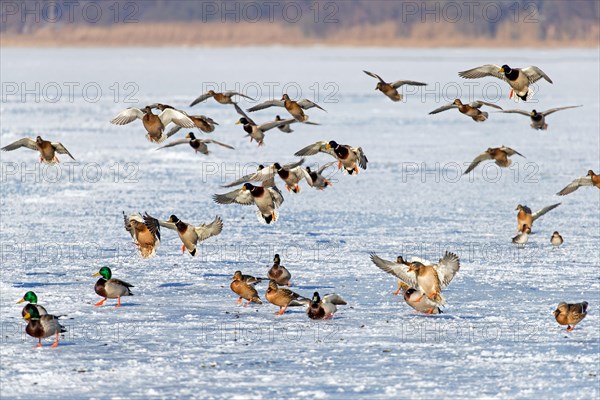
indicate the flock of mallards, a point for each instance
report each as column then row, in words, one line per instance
column 420, row 281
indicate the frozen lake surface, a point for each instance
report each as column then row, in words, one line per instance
column 182, row 335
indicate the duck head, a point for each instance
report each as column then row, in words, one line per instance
column 457, row 102
column 276, row 259
column 590, row 173
column 400, row 260
column 316, row 299
column 534, row 113
column 378, row 86
column 332, row 145
column 29, row 297
column 31, row 312
column 519, row 207
column 211, row 92
column 505, row 69
column 39, row 140
column 237, row 276
column 277, row 167
column 191, row 136
column 104, row 272
column 415, row 267
column 173, row 219
column 273, row 285
column 285, row 97
column 248, row 186
column 242, row 121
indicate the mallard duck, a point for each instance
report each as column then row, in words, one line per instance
column 244, row 290
column 46, row 149
column 570, row 314
column 110, row 288
column 41, row 326
column 523, row 236
column 526, row 217
column 556, row 239
column 154, row 124
column 430, row 279
column 499, row 154
column 256, row 131
column 471, row 110
column 348, row 157
column 519, row 79
column 324, row 308
column 283, row 297
column 288, row 173
column 202, row 122
column 278, row 273
column 389, row 89
column 199, row 145
column 145, row 232
column 266, row 199
column 263, row 174
column 31, row 297
column 317, row 180
column 249, row 279
column 295, row 108
column 538, row 119
column 220, row 97
column 190, row 235
column 285, row 128
column 591, row 179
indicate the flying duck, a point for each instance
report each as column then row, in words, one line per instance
column 538, row 119
column 519, row 79
column 154, row 124
column 257, row 132
column 47, row 149
column 190, row 235
column 471, row 110
column 295, row 108
column 591, row 179
column 145, row 232
column 221, row 98
column 526, row 217
column 266, row 199
column 390, row 89
column 199, row 145
column 348, row 157
column 499, row 154
column 317, row 180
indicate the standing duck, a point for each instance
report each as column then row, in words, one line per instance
column 244, row 290
column 190, row 235
column 154, row 124
column 526, row 217
column 31, row 297
column 283, row 297
column 267, row 199
column 538, row 119
column 348, row 157
column 470, row 110
column 591, row 179
column 556, row 239
column 499, row 154
column 390, row 89
column 523, row 236
column 220, row 97
column 145, row 232
column 324, row 308
column 199, row 145
column 110, row 288
column 295, row 108
column 41, row 326
column 249, row 279
column 570, row 314
column 519, row 79
column 46, row 149
column 278, row 273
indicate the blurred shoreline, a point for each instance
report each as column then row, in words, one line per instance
column 195, row 34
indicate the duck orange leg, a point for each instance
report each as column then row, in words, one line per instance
column 248, row 302
column 339, row 164
column 182, row 248
column 356, row 169
column 511, row 94
column 570, row 328
column 100, row 302
column 239, row 301
column 39, row 343
column 274, row 216
column 432, row 295
column 396, row 292
column 118, row 302
column 55, row 344
column 419, row 299
column 430, row 311
column 281, row 311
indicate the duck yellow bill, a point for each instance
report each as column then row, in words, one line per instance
column 501, row 70
column 327, row 146
column 20, row 301
column 27, row 316
column 237, row 122
column 96, row 274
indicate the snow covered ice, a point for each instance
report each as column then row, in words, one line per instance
column 182, row 335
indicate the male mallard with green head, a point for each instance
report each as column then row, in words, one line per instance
column 41, row 326
column 110, row 288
